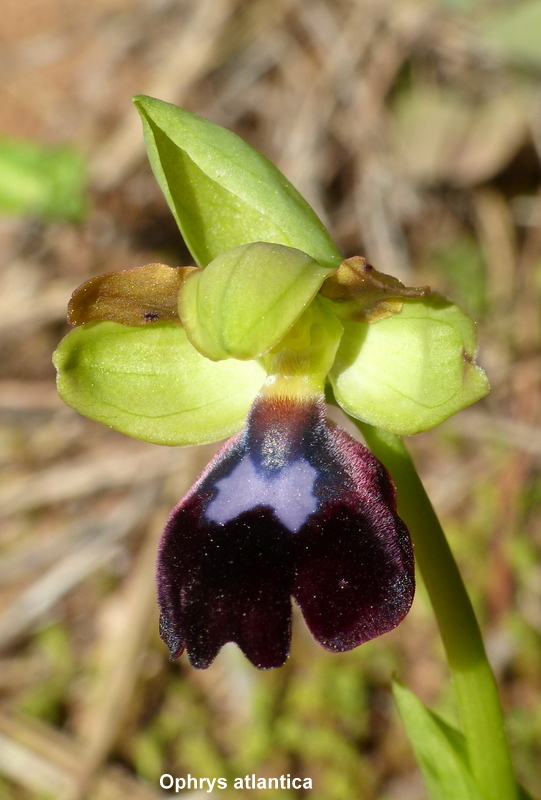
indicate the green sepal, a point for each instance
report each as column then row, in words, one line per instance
column 246, row 300
column 222, row 192
column 411, row 371
column 439, row 748
column 152, row 384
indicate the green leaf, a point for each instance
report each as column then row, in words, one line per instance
column 49, row 182
column 245, row 301
column 222, row 192
column 439, row 748
column 152, row 384
column 411, row 371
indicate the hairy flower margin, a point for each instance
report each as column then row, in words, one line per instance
column 292, row 506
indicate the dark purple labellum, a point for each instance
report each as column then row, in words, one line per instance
column 291, row 507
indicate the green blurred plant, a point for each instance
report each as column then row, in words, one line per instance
column 49, row 182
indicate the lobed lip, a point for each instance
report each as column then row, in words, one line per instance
column 292, row 507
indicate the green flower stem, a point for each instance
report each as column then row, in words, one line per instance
column 477, row 693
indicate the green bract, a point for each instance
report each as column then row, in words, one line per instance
column 269, row 287
column 152, row 384
column 247, row 299
column 409, row 372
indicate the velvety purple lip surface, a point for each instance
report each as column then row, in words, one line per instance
column 291, row 507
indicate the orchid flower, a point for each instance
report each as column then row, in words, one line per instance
column 247, row 345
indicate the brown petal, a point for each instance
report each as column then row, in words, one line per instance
column 137, row 296
column 363, row 294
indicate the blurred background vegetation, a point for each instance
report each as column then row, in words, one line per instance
column 414, row 128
